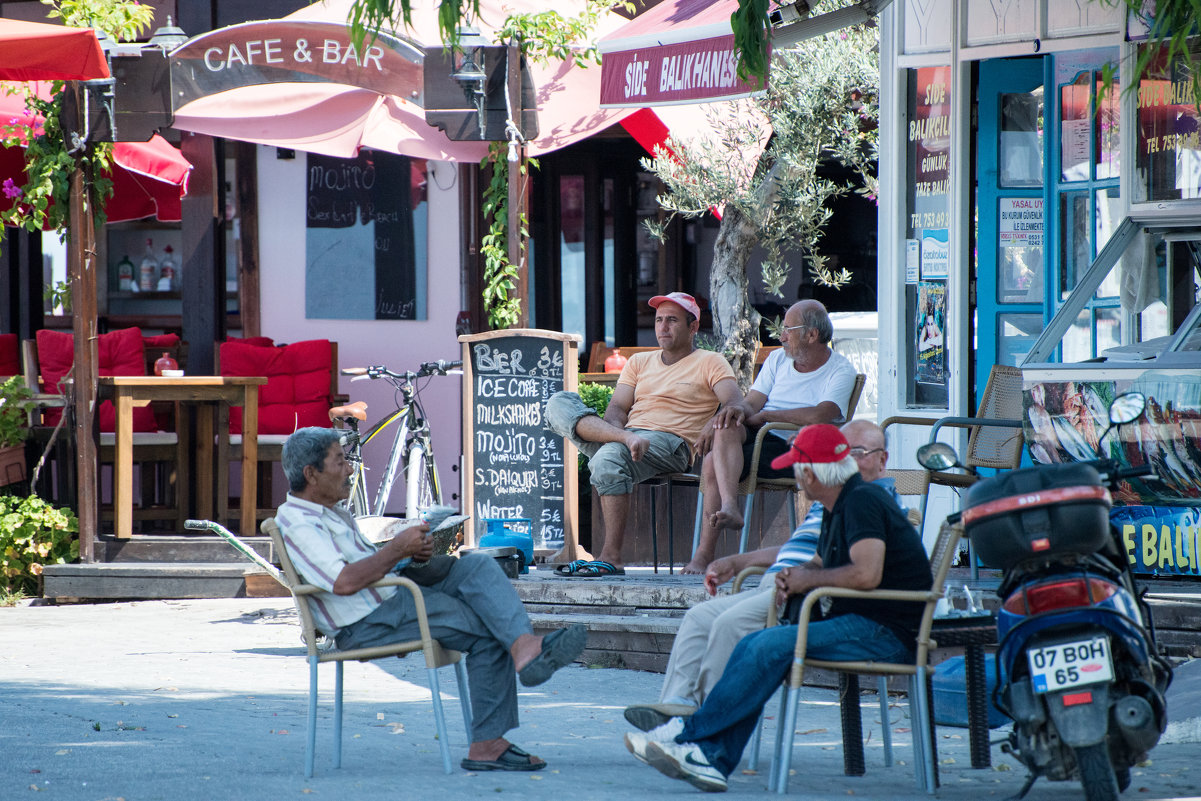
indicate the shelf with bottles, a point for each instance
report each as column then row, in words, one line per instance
column 143, row 262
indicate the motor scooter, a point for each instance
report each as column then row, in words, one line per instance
column 1078, row 669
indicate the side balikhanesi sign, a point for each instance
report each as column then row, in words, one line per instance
column 687, row 72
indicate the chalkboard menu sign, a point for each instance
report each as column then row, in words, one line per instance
column 513, row 467
column 365, row 237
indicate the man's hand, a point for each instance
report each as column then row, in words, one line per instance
column 731, row 415
column 792, row 581
column 414, row 541
column 704, row 442
column 718, row 573
column 637, row 446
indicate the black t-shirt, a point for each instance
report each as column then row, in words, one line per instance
column 864, row 510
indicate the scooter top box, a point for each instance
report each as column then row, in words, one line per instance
column 1037, row 512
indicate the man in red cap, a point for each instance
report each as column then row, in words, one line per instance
column 865, row 543
column 661, row 405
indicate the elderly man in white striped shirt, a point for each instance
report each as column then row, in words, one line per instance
column 710, row 630
column 470, row 603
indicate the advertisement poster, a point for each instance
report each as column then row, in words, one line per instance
column 930, row 325
column 936, row 253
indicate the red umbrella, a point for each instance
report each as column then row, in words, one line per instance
column 149, row 178
column 35, row 51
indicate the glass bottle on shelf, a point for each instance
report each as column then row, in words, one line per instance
column 148, row 269
column 167, row 271
column 125, row 274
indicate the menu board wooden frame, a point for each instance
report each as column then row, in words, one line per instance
column 567, row 347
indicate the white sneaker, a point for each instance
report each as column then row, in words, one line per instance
column 688, row 762
column 637, row 741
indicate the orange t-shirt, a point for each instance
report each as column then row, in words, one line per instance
column 678, row 398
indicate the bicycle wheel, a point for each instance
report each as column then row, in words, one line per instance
column 421, row 482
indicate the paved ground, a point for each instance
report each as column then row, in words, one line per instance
column 185, row 700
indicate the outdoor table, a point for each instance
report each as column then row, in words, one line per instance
column 220, row 392
column 972, row 633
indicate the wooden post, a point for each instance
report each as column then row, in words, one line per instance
column 517, row 194
column 81, row 265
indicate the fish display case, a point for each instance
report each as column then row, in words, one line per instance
column 1066, row 403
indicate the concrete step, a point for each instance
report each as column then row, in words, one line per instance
column 168, row 548
column 157, row 580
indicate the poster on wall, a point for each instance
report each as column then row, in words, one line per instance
column 365, row 237
column 1020, row 260
column 928, row 264
column 930, row 325
column 936, row 253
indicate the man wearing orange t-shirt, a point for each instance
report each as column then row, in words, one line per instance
column 654, row 424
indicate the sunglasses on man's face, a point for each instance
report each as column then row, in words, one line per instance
column 860, row 453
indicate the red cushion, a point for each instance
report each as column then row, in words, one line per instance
column 262, row 342
column 160, row 341
column 117, row 353
column 10, row 355
column 298, row 381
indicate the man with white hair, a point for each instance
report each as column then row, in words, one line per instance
column 865, row 543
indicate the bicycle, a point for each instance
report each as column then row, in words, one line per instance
column 411, row 445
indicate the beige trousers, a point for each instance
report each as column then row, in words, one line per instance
column 707, row 637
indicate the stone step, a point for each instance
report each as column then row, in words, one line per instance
column 157, row 581
column 168, row 548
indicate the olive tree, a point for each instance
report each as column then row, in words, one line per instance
column 820, row 105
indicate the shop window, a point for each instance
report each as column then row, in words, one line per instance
column 1168, row 150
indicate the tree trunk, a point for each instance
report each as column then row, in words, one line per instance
column 735, row 320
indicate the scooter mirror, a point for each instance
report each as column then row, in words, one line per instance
column 1126, row 408
column 937, row 456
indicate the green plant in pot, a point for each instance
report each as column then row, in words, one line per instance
column 14, row 428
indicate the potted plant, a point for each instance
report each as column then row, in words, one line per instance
column 14, row 428
column 33, row 533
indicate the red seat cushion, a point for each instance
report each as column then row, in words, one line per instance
column 160, row 341
column 298, row 383
column 117, row 353
column 10, row 355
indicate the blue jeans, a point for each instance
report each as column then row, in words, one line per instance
column 724, row 723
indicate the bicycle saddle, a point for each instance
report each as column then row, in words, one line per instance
column 357, row 410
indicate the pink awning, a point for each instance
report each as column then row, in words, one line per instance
column 680, row 51
column 35, row 51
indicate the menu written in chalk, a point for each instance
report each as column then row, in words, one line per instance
column 517, row 466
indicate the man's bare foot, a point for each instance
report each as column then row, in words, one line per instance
column 725, row 517
column 698, row 565
column 637, row 446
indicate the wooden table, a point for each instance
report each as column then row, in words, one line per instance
column 219, row 391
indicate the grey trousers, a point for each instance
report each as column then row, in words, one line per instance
column 475, row 610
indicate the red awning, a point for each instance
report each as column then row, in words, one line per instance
column 680, row 51
column 35, row 51
column 149, row 178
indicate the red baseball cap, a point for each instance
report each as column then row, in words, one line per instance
column 681, row 299
column 815, row 444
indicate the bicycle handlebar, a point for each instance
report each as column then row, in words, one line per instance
column 440, row 367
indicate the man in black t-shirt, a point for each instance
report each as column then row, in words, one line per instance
column 866, row 543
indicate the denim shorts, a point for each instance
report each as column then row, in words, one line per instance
column 612, row 470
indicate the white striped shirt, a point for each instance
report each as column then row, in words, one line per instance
column 322, row 541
